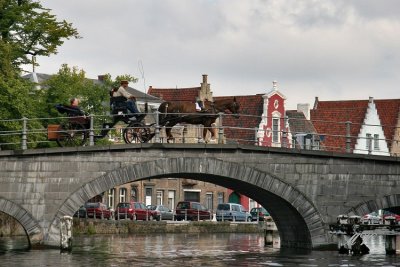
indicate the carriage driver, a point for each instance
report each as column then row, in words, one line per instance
column 199, row 104
column 131, row 99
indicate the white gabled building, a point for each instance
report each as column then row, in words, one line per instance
column 371, row 139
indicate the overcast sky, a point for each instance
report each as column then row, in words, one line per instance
column 333, row 49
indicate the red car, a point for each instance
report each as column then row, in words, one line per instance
column 391, row 217
column 192, row 211
column 98, row 210
column 134, row 211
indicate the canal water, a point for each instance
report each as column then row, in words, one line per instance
column 183, row 250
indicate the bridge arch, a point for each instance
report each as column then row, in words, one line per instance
column 31, row 226
column 298, row 220
column 369, row 206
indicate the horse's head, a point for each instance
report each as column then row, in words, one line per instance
column 221, row 105
column 234, row 108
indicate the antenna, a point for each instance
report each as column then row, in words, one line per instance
column 140, row 66
column 141, row 69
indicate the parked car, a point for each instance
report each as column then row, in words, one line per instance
column 98, row 210
column 371, row 218
column 134, row 211
column 232, row 212
column 191, row 211
column 389, row 217
column 161, row 212
column 260, row 214
column 81, row 212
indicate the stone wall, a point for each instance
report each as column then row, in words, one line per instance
column 83, row 227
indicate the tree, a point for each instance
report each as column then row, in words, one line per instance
column 30, row 30
column 26, row 29
column 72, row 82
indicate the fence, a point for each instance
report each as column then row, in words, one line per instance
column 345, row 136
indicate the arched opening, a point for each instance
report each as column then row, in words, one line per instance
column 19, row 222
column 298, row 221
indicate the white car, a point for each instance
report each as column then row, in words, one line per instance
column 371, row 218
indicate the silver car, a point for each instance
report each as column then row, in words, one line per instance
column 232, row 212
column 161, row 212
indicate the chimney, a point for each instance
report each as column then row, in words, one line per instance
column 305, row 108
column 316, row 102
column 205, row 78
column 371, row 99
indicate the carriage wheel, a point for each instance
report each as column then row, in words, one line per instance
column 136, row 133
column 71, row 134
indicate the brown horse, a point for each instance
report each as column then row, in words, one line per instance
column 170, row 114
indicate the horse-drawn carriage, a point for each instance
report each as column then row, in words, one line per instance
column 76, row 130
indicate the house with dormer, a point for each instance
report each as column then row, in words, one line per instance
column 369, row 126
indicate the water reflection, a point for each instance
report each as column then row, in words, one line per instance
column 188, row 250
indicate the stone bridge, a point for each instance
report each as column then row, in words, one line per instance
column 303, row 190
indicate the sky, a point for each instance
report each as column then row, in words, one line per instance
column 331, row 49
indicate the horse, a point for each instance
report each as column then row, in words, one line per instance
column 169, row 114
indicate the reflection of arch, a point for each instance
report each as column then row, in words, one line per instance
column 234, row 198
column 30, row 225
column 376, row 204
column 298, row 220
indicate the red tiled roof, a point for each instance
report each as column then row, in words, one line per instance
column 388, row 111
column 251, row 109
column 175, row 94
column 329, row 119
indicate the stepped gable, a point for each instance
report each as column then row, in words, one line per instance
column 175, row 94
column 251, row 109
column 388, row 111
column 329, row 119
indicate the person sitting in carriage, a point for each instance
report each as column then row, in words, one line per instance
column 74, row 110
column 130, row 98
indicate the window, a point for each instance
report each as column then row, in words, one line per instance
column 111, row 196
column 171, row 199
column 376, row 141
column 160, row 195
column 149, row 194
column 368, row 141
column 122, row 194
column 133, row 193
column 192, row 196
column 275, row 130
column 209, row 201
column 220, row 197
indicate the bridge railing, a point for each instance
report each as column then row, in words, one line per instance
column 293, row 133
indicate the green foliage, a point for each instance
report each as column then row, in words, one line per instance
column 26, row 29
column 69, row 83
column 31, row 30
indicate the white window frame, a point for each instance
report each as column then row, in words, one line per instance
column 111, row 197
column 122, row 194
column 159, row 197
column 376, row 141
column 275, row 132
column 368, row 143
